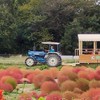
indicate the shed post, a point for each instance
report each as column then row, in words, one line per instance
column 80, row 47
column 94, row 46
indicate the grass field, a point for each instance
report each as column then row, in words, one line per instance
column 21, row 88
column 19, row 61
column 12, row 61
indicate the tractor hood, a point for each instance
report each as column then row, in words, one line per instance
column 34, row 53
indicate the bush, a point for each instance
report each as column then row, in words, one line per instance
column 25, row 96
column 68, row 95
column 10, row 80
column 68, row 85
column 16, row 73
column 78, row 69
column 91, row 76
column 54, row 97
column 54, row 72
column 56, row 92
column 8, row 83
column 47, row 73
column 3, row 73
column 30, row 77
column 83, row 84
column 61, row 78
column 94, row 84
column 72, row 76
column 98, row 68
column 68, row 71
column 48, row 87
column 83, row 74
column 38, row 80
column 77, row 90
column 25, row 72
column 97, row 75
column 34, row 94
column 92, row 94
column 85, row 96
column 6, row 87
column 65, row 70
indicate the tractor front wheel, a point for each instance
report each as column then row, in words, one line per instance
column 30, row 62
column 53, row 60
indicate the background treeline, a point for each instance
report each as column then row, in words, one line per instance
column 25, row 22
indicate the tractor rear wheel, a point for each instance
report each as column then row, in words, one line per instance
column 30, row 62
column 53, row 60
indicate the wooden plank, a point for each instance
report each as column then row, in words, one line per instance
column 80, row 47
column 89, row 58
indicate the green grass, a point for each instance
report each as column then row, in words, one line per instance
column 40, row 66
column 13, row 59
column 91, row 65
column 70, row 60
column 21, row 88
column 19, row 61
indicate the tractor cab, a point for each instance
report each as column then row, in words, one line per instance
column 52, row 46
column 50, row 55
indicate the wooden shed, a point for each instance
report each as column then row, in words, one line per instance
column 91, row 53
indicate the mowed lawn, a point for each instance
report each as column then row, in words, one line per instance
column 19, row 61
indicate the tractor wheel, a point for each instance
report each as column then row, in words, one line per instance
column 30, row 62
column 53, row 60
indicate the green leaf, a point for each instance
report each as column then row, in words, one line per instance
column 41, row 98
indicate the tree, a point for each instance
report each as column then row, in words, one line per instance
column 7, row 27
column 86, row 20
column 30, row 29
column 25, row 22
column 69, row 40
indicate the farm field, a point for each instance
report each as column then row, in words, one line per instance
column 19, row 61
column 83, row 80
column 68, row 82
column 66, row 33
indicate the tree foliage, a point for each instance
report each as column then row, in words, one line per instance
column 25, row 22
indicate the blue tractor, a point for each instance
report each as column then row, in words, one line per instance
column 51, row 57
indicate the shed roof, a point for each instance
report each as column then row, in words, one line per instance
column 89, row 37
